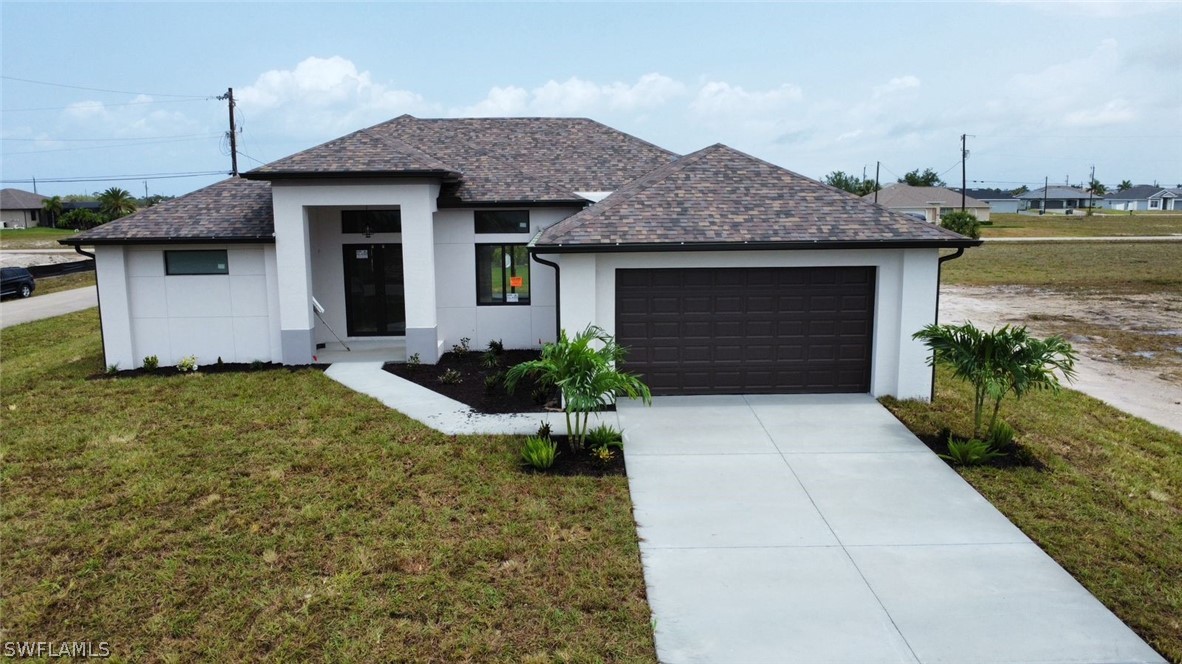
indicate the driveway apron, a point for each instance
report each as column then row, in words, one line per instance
column 818, row 529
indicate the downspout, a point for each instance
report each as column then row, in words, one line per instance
column 939, row 273
column 97, row 298
column 557, row 293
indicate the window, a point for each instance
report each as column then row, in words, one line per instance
column 502, row 221
column 368, row 222
column 1154, row 204
column 196, row 262
column 502, row 274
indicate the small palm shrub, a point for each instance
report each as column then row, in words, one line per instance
column 544, row 429
column 604, row 436
column 490, row 360
column 151, row 363
column 496, row 346
column 1001, row 436
column 973, row 452
column 539, row 452
column 493, row 381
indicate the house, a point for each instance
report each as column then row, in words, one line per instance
column 20, row 209
column 999, row 201
column 1144, row 197
column 928, row 202
column 721, row 272
column 1056, row 199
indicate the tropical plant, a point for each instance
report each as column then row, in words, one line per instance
column 496, row 346
column 584, row 369
column 963, row 222
column 116, row 202
column 492, row 381
column 539, row 452
column 1020, row 190
column 151, row 363
column 80, row 219
column 1096, row 188
column 971, row 452
column 998, row 362
column 1001, row 436
column 1124, row 185
column 544, row 429
column 490, row 360
column 605, row 435
column 53, row 207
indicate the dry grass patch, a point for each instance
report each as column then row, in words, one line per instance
column 33, row 238
column 1107, row 507
column 278, row 515
column 1080, row 225
column 47, row 285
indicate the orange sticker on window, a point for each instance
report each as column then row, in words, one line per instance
column 516, row 282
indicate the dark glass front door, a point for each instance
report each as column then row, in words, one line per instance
column 375, row 301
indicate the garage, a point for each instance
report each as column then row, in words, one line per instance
column 748, row 330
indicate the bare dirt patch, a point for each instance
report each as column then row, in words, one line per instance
column 1130, row 344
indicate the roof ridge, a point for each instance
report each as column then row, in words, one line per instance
column 398, row 143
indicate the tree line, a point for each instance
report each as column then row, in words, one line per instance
column 114, row 203
column 929, row 178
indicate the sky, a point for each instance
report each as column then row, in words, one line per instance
column 1042, row 90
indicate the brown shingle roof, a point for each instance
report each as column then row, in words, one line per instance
column 720, row 197
column 494, row 159
column 233, row 210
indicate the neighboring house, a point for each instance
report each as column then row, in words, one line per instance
column 1145, row 197
column 720, row 272
column 20, row 209
column 930, row 202
column 1057, row 199
column 999, row 201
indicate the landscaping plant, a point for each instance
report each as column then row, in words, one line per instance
column 999, row 362
column 965, row 223
column 187, row 363
column 583, row 368
column 604, row 436
column 151, row 363
column 972, row 452
column 539, row 452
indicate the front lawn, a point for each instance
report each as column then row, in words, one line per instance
column 1108, row 222
column 278, row 515
column 1107, row 506
column 33, row 238
column 47, row 285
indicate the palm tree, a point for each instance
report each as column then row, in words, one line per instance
column 999, row 362
column 116, row 202
column 1124, row 184
column 53, row 209
column 586, row 376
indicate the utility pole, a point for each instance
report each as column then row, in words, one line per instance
column 877, row 165
column 145, row 190
column 1046, row 183
column 1091, row 187
column 34, row 184
column 233, row 133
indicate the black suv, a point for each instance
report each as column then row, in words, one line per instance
column 16, row 281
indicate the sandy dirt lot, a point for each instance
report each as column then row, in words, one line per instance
column 1130, row 345
column 27, row 257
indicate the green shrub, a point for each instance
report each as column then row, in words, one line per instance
column 972, row 452
column 493, row 381
column 1001, row 437
column 257, row 365
column 112, row 369
column 605, row 436
column 489, row 360
column 187, row 363
column 496, row 346
column 151, row 363
column 451, row 377
column 413, row 361
column 462, row 348
column 544, row 429
column 80, row 219
column 964, row 223
column 539, row 452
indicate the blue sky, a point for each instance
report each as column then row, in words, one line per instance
column 1044, row 90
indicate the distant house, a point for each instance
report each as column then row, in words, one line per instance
column 1056, row 199
column 928, row 202
column 20, row 209
column 1000, row 201
column 1144, row 197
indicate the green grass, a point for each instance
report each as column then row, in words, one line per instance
column 46, row 285
column 279, row 515
column 33, row 238
column 1108, row 507
column 1122, row 267
column 1079, row 225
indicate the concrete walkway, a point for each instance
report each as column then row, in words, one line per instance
column 17, row 311
column 819, row 529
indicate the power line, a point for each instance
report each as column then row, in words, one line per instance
column 105, row 105
column 116, row 178
column 108, row 147
column 80, row 87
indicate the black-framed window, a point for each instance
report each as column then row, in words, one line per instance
column 368, row 222
column 502, row 274
column 200, row 261
column 502, row 221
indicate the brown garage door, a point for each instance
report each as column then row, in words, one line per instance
column 750, row 330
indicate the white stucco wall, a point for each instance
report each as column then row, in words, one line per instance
column 905, row 298
column 517, row 326
column 146, row 312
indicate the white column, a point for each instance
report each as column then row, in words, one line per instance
column 418, row 268
column 579, row 292
column 294, row 277
column 917, row 308
column 118, row 345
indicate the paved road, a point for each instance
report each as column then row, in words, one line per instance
column 17, row 311
column 817, row 528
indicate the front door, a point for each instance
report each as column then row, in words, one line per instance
column 375, row 301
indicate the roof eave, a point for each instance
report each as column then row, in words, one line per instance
column 459, row 203
column 622, row 247
column 235, row 239
column 337, row 175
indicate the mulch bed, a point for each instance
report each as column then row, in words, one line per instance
column 471, row 388
column 1016, row 456
column 582, row 462
column 221, row 367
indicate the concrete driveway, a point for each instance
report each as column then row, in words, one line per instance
column 817, row 529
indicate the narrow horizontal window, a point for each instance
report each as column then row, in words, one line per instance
column 368, row 222
column 206, row 261
column 502, row 274
column 502, row 221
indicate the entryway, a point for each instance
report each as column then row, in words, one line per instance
column 375, row 297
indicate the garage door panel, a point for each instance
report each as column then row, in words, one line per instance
column 734, row 330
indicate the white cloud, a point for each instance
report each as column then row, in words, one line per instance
column 577, row 96
column 325, row 95
column 897, row 84
column 1117, row 111
column 717, row 98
